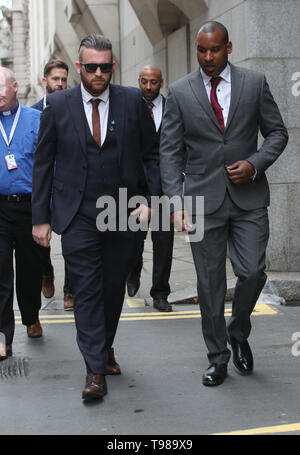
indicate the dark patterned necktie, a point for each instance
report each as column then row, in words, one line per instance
column 96, row 121
column 151, row 106
column 214, row 101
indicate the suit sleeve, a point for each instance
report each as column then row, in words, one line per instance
column 150, row 152
column 272, row 129
column 43, row 168
column 172, row 150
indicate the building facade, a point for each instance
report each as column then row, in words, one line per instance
column 265, row 38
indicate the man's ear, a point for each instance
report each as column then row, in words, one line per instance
column 77, row 64
column 229, row 47
column 16, row 86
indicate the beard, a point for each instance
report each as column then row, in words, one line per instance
column 95, row 85
column 52, row 90
column 150, row 96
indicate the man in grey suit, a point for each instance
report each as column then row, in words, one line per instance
column 211, row 122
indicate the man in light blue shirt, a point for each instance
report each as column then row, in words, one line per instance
column 19, row 127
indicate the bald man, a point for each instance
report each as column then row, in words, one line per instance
column 150, row 82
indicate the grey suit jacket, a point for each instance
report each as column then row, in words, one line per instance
column 192, row 139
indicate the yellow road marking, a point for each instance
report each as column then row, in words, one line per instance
column 261, row 309
column 265, row 430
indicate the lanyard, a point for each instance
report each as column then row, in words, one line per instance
column 8, row 141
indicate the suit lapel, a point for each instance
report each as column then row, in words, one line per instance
column 76, row 111
column 117, row 113
column 237, row 83
column 162, row 114
column 198, row 88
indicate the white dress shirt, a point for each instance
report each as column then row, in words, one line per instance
column 223, row 90
column 103, row 109
column 157, row 111
column 223, row 93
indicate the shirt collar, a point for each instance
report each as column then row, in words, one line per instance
column 7, row 113
column 86, row 96
column 225, row 75
column 156, row 102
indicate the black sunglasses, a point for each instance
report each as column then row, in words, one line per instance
column 92, row 67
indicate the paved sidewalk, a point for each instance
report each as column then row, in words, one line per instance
column 162, row 357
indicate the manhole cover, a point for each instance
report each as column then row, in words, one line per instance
column 14, row 367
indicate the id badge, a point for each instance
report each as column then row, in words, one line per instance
column 11, row 162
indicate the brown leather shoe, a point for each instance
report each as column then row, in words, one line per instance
column 48, row 288
column 68, row 302
column 95, row 387
column 5, row 351
column 112, row 367
column 35, row 330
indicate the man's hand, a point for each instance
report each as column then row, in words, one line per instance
column 181, row 221
column 143, row 211
column 41, row 234
column 240, row 172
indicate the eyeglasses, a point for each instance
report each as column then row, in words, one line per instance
column 92, row 67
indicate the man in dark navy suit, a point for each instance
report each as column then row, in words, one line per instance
column 55, row 79
column 150, row 82
column 98, row 136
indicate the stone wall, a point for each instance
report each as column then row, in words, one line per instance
column 21, row 48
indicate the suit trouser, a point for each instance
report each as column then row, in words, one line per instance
column 98, row 264
column 47, row 268
column 246, row 233
column 16, row 234
column 162, row 242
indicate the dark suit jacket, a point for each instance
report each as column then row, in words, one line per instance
column 191, row 134
column 156, row 134
column 39, row 105
column 62, row 139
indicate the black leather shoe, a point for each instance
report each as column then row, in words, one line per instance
column 161, row 304
column 133, row 285
column 242, row 356
column 95, row 387
column 215, row 374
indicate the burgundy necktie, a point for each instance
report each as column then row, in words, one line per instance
column 96, row 121
column 214, row 101
column 151, row 106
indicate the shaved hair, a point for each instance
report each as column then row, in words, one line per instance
column 212, row 26
column 151, row 68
